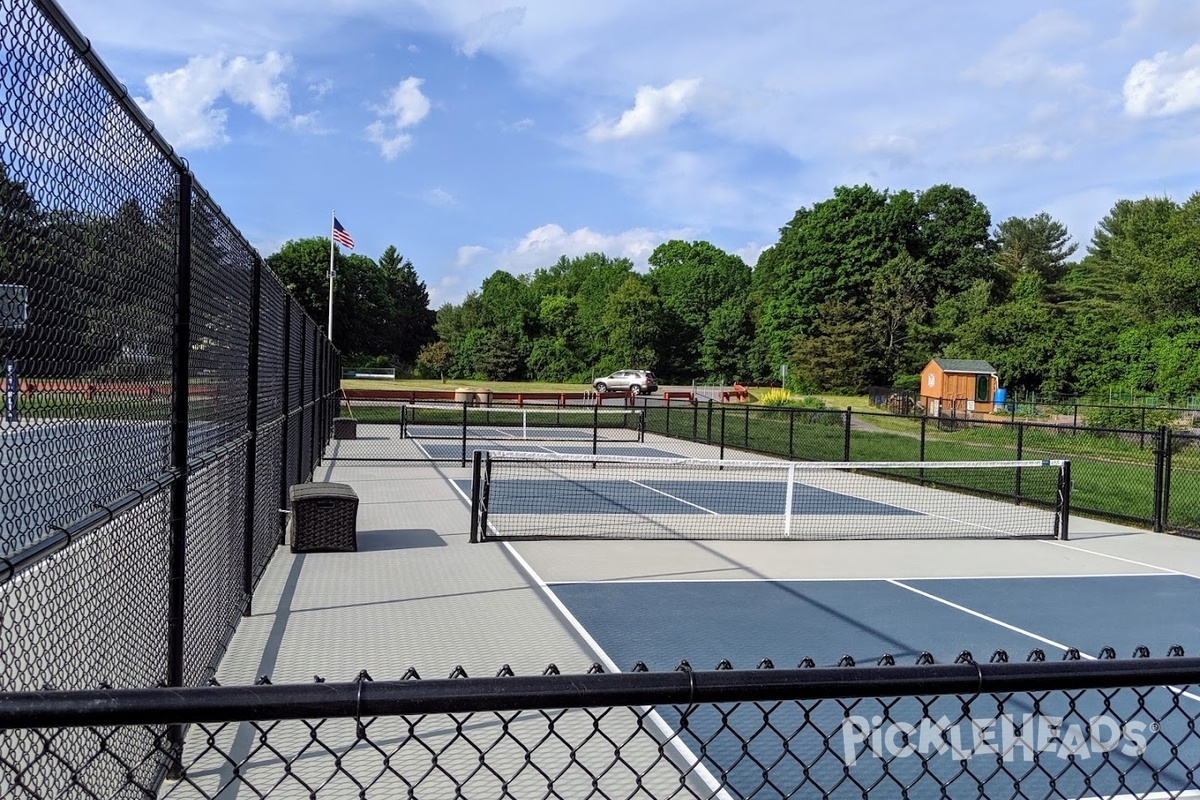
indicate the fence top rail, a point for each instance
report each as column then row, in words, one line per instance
column 683, row 686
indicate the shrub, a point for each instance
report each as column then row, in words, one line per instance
column 775, row 397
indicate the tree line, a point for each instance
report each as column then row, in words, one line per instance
column 861, row 289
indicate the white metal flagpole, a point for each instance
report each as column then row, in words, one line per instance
column 329, row 329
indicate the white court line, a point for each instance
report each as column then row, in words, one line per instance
column 670, row 735
column 1118, row 558
column 843, row 580
column 1015, row 629
column 673, row 497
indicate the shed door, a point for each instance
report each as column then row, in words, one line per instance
column 983, row 384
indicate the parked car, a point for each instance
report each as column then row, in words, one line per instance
column 638, row 381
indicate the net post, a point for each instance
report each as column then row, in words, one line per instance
column 667, row 414
column 403, row 420
column 1064, row 501
column 641, row 423
column 464, row 432
column 476, row 465
column 485, row 490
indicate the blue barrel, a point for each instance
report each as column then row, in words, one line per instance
column 1001, row 397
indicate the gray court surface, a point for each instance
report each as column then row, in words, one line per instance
column 419, row 595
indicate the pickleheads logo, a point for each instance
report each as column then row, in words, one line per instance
column 1012, row 737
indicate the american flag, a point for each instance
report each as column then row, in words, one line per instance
column 341, row 236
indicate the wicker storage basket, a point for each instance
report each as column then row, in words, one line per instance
column 324, row 518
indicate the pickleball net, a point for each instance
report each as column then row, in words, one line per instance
column 520, row 423
column 530, row 495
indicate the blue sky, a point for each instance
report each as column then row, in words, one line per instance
column 476, row 135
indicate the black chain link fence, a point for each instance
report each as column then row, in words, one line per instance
column 160, row 388
column 1034, row 729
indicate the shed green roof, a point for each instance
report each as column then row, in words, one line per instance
column 964, row 365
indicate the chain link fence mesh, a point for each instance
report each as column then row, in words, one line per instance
column 115, row 271
column 1078, row 727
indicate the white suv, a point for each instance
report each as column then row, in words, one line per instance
column 638, row 381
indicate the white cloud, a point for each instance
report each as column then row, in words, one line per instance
column 183, row 103
column 1028, row 150
column 653, row 110
column 749, row 252
column 1164, row 85
column 490, row 27
column 441, row 198
column 321, row 88
column 468, row 253
column 543, row 246
column 406, row 106
column 898, row 150
column 1017, row 58
column 516, row 127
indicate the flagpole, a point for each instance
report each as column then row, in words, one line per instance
column 329, row 329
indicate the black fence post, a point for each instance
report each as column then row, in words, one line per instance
column 791, row 433
column 695, row 420
column 924, row 426
column 722, row 456
column 846, row 436
column 746, row 428
column 252, row 444
column 176, row 597
column 1156, row 516
column 1168, row 449
column 1020, row 452
column 708, row 424
column 596, row 429
column 667, row 414
column 284, row 466
column 301, row 477
column 466, row 403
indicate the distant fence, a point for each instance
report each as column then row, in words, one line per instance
column 1034, row 729
column 161, row 392
column 1144, row 477
column 1145, row 412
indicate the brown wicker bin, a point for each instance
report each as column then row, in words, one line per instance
column 324, row 518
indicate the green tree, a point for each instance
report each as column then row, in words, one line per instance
column 692, row 282
column 436, row 358
column 831, row 358
column 631, row 322
column 898, row 306
column 830, row 252
column 1039, row 245
column 409, row 323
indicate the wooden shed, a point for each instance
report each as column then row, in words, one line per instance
column 958, row 385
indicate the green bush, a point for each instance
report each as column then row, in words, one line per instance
column 1126, row 417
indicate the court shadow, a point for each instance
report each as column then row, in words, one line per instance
column 402, row 539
